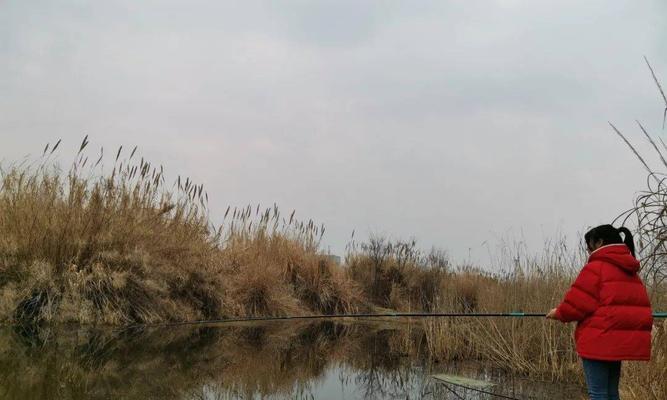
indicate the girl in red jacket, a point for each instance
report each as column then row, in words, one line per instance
column 612, row 309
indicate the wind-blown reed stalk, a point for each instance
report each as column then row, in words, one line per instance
column 650, row 209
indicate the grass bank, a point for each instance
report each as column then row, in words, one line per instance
column 120, row 246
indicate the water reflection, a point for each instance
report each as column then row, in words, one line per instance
column 301, row 360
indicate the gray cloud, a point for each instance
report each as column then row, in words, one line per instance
column 455, row 122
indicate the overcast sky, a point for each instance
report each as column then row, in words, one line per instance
column 453, row 122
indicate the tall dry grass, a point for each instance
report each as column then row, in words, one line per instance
column 533, row 347
column 121, row 247
column 114, row 248
column 397, row 275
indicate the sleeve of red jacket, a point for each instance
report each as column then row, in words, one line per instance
column 582, row 298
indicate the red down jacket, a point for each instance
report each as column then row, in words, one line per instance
column 612, row 309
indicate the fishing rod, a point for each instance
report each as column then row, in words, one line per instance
column 512, row 314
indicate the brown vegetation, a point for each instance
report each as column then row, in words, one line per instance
column 122, row 248
column 397, row 275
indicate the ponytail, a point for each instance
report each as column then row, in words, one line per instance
column 628, row 239
column 607, row 234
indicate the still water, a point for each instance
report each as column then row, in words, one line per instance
column 275, row 360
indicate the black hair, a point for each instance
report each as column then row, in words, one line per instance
column 610, row 235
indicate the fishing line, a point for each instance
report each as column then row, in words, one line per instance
column 452, row 391
column 500, row 396
column 478, row 390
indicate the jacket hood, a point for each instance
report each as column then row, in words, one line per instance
column 617, row 254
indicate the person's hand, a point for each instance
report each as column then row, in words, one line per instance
column 552, row 314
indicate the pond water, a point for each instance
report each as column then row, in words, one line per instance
column 268, row 360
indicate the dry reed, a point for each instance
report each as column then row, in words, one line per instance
column 122, row 247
